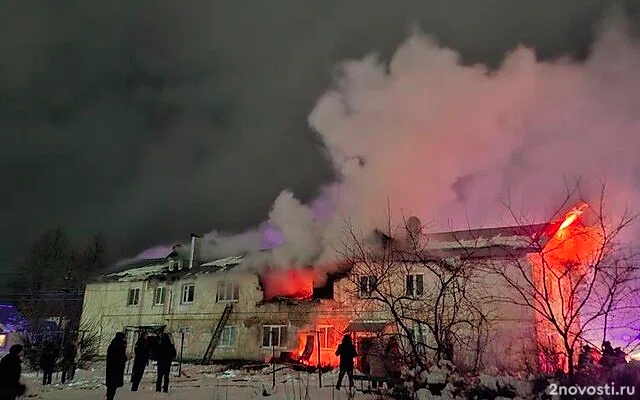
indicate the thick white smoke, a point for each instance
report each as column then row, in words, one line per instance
column 451, row 143
column 425, row 135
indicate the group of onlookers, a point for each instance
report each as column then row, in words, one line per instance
column 11, row 367
column 607, row 358
column 163, row 351
column 49, row 359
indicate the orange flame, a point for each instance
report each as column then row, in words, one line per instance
column 295, row 283
column 323, row 336
column 570, row 218
column 566, row 256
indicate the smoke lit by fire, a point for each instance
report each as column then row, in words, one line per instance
column 566, row 256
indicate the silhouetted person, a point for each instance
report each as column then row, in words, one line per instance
column 140, row 361
column 608, row 355
column 585, row 358
column 116, row 361
column 165, row 356
column 69, row 354
column 347, row 352
column 48, row 360
column 619, row 356
column 10, row 370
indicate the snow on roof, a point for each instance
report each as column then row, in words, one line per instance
column 140, row 270
column 224, row 262
column 510, row 236
column 510, row 241
column 143, row 269
column 220, row 265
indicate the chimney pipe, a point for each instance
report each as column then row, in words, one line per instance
column 192, row 255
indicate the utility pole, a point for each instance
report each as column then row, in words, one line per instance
column 181, row 349
column 67, row 278
column 273, row 355
column 319, row 365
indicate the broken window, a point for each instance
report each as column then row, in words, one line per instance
column 274, row 336
column 368, row 284
column 158, row 296
column 229, row 336
column 228, row 291
column 134, row 297
column 188, row 293
column 414, row 285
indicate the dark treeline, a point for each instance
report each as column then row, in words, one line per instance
column 50, row 280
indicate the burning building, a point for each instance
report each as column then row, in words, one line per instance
column 222, row 310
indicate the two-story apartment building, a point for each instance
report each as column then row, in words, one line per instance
column 186, row 297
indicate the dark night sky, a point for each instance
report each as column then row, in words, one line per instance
column 147, row 120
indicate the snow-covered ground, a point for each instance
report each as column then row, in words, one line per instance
column 196, row 383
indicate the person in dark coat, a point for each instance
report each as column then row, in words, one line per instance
column 116, row 361
column 48, row 360
column 166, row 353
column 140, row 361
column 69, row 354
column 10, row 371
column 347, row 352
column 608, row 355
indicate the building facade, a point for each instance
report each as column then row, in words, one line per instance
column 218, row 310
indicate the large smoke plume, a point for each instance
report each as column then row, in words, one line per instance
column 424, row 135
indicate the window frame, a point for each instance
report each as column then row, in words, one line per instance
column 420, row 334
column 411, row 290
column 366, row 290
column 155, row 295
column 184, row 293
column 325, row 332
column 280, row 334
column 136, row 297
column 234, row 329
column 235, row 292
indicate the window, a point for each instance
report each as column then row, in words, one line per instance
column 188, row 293
column 327, row 336
column 414, row 285
column 419, row 335
column 367, row 285
column 134, row 297
column 3, row 340
column 158, row 296
column 229, row 336
column 228, row 291
column 274, row 336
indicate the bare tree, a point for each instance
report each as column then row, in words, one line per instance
column 432, row 297
column 576, row 276
column 53, row 274
column 39, row 281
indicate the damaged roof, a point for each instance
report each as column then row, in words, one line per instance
column 160, row 267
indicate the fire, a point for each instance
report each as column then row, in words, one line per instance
column 295, row 283
column 570, row 218
column 324, row 336
column 565, row 257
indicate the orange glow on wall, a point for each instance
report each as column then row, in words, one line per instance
column 565, row 258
